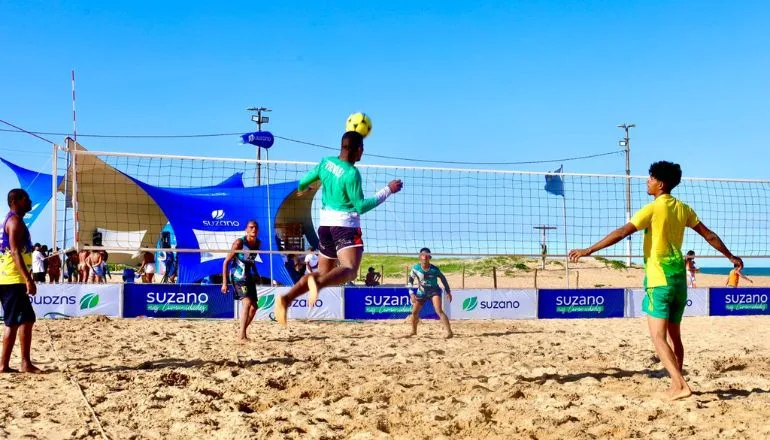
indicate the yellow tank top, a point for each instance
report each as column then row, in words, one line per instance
column 9, row 273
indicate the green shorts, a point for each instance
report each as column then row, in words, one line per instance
column 666, row 302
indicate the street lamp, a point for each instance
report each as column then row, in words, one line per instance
column 259, row 119
column 626, row 144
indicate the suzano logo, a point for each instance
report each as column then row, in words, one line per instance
column 217, row 219
column 579, row 303
column 387, row 304
column 472, row 302
column 177, row 301
column 266, row 301
column 89, row 301
column 745, row 301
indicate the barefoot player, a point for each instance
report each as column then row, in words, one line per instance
column 427, row 276
column 340, row 244
column 663, row 222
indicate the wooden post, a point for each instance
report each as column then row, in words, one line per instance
column 494, row 277
column 407, row 276
column 382, row 273
column 535, row 278
column 577, row 279
column 463, row 283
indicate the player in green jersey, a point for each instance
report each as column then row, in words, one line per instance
column 339, row 234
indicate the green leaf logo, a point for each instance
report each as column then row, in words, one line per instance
column 89, row 301
column 266, row 301
column 470, row 303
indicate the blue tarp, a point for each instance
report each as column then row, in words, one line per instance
column 37, row 185
column 221, row 209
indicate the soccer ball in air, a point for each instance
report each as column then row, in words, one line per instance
column 359, row 122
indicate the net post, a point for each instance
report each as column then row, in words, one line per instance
column 54, row 188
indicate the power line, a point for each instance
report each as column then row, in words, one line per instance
column 298, row 141
column 21, row 130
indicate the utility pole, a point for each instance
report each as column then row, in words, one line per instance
column 259, row 119
column 626, row 144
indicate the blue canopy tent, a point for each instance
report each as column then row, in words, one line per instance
column 212, row 217
column 37, row 185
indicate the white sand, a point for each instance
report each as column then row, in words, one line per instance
column 178, row 379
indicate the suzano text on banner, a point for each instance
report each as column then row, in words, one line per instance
column 580, row 303
column 177, row 301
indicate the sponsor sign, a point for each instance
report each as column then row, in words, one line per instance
column 328, row 305
column 697, row 302
column 69, row 300
column 493, row 304
column 580, row 303
column 382, row 303
column 262, row 139
column 739, row 301
column 177, row 301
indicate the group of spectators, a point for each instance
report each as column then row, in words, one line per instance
column 82, row 267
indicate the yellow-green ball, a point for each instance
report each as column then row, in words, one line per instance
column 359, row 122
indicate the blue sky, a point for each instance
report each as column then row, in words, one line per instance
column 444, row 80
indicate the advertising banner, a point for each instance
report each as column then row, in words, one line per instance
column 328, row 305
column 580, row 303
column 382, row 303
column 177, row 301
column 729, row 301
column 697, row 302
column 70, row 300
column 493, row 304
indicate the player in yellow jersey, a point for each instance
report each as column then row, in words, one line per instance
column 663, row 222
column 16, row 282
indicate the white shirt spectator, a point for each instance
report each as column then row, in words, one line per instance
column 38, row 260
column 311, row 263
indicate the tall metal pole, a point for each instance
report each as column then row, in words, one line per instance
column 259, row 150
column 626, row 143
column 259, row 119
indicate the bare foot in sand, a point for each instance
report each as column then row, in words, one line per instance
column 244, row 340
column 449, row 335
column 281, row 303
column 9, row 370
column 676, row 394
column 29, row 368
column 407, row 336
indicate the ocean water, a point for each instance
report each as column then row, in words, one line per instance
column 748, row 271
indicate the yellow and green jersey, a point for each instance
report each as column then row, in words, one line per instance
column 663, row 222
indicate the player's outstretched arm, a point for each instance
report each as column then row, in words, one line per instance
column 713, row 239
column 363, row 205
column 611, row 238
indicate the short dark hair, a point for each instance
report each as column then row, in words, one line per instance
column 667, row 172
column 425, row 250
column 352, row 140
column 252, row 221
column 16, row 195
column 690, row 253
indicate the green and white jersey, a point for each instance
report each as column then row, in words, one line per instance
column 342, row 198
column 427, row 280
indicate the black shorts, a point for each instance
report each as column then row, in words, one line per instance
column 246, row 290
column 332, row 239
column 17, row 308
column 38, row 277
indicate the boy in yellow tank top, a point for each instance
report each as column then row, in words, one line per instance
column 16, row 282
column 663, row 222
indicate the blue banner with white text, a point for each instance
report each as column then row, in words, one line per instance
column 177, row 301
column 580, row 303
column 382, row 303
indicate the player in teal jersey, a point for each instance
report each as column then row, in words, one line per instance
column 339, row 234
column 427, row 276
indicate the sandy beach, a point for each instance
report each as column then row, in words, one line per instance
column 548, row 379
